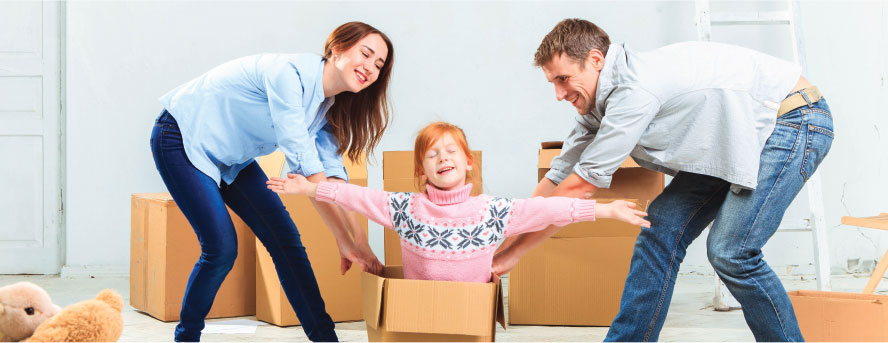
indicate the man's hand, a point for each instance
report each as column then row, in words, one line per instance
column 293, row 184
column 504, row 261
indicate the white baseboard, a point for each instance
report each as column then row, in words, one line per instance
column 88, row 271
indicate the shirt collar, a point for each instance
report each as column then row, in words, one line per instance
column 442, row 197
column 616, row 53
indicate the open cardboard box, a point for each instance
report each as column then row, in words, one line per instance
column 397, row 176
column 341, row 294
column 401, row 310
column 841, row 317
column 576, row 277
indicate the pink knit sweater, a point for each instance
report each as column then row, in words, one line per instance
column 449, row 235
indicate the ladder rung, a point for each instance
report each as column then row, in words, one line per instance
column 752, row 18
column 800, row 229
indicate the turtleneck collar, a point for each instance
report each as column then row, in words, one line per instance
column 442, row 197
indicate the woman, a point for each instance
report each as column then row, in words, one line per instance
column 313, row 108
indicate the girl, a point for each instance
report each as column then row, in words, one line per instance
column 445, row 233
column 204, row 144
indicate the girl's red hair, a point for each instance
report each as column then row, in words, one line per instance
column 428, row 136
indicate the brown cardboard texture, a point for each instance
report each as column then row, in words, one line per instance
column 341, row 294
column 630, row 181
column 401, row 310
column 841, row 317
column 397, row 176
column 570, row 281
column 163, row 250
column 576, row 277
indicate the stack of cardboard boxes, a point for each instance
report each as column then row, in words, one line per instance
column 576, row 276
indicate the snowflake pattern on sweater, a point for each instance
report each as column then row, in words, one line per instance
column 442, row 239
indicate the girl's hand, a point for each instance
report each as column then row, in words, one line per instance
column 293, row 184
column 622, row 210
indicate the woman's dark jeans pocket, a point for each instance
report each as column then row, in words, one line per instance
column 166, row 142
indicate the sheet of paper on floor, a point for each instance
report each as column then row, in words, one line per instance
column 233, row 326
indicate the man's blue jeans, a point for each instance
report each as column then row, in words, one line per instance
column 203, row 204
column 743, row 223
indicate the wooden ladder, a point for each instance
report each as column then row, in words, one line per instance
column 790, row 17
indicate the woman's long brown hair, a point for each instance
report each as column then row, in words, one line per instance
column 359, row 119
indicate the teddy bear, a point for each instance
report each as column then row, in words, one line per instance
column 94, row 320
column 28, row 314
column 23, row 307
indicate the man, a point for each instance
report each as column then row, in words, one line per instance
column 740, row 132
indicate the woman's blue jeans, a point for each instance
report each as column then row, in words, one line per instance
column 203, row 202
column 742, row 223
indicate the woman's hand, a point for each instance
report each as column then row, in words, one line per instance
column 364, row 258
column 623, row 211
column 293, row 184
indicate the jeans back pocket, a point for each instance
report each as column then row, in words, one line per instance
column 818, row 139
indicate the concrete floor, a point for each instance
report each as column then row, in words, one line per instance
column 690, row 317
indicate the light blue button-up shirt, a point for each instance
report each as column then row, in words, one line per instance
column 253, row 105
column 699, row 107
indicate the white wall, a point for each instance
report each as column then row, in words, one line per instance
column 467, row 63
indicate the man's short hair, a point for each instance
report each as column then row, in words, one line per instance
column 573, row 37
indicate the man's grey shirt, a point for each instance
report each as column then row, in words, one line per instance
column 698, row 107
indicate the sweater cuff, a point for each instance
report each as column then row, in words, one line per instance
column 583, row 210
column 326, row 191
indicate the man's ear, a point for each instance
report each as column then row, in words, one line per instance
column 595, row 59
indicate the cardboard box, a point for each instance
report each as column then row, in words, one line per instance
column 576, row 277
column 341, row 294
column 397, row 176
column 163, row 251
column 400, row 310
column 841, row 317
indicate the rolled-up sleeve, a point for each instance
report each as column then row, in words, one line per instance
column 573, row 147
column 283, row 87
column 328, row 147
column 627, row 113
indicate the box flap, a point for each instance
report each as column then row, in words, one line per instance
column 372, row 288
column 438, row 307
column 393, row 272
column 273, row 164
column 153, row 196
column 500, row 309
column 552, row 145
